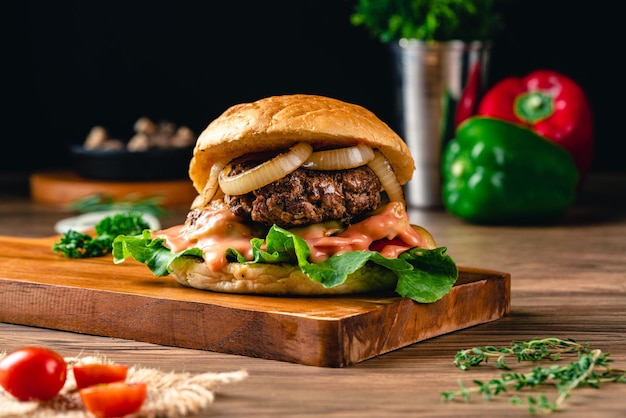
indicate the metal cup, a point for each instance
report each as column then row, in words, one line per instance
column 432, row 80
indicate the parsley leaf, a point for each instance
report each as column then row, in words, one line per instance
column 74, row 244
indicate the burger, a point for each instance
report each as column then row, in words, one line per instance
column 298, row 195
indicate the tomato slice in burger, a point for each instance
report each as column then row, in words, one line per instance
column 96, row 373
column 116, row 399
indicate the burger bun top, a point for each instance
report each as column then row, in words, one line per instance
column 277, row 122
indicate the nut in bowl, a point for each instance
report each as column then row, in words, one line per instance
column 155, row 152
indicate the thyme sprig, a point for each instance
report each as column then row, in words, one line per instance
column 533, row 350
column 591, row 368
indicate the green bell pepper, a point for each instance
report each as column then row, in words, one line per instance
column 497, row 172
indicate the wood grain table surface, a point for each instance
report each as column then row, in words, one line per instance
column 568, row 280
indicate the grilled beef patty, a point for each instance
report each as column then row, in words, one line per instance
column 308, row 196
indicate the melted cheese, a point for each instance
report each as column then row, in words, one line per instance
column 388, row 231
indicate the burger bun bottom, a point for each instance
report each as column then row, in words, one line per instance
column 276, row 279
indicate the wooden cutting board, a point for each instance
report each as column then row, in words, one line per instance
column 94, row 296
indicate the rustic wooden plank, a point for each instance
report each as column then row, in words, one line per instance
column 94, row 296
column 61, row 188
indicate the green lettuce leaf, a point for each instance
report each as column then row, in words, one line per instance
column 422, row 275
column 433, row 274
column 151, row 252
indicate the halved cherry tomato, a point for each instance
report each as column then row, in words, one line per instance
column 116, row 399
column 33, row 373
column 96, row 373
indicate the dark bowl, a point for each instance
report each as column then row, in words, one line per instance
column 122, row 165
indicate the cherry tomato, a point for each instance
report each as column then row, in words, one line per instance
column 33, row 373
column 94, row 374
column 116, row 399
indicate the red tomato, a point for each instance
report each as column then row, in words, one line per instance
column 94, row 374
column 33, row 373
column 116, row 399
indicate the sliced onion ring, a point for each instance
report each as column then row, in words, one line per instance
column 340, row 159
column 265, row 173
column 387, row 177
column 211, row 187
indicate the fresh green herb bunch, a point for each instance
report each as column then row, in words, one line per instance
column 428, row 20
column 74, row 244
column 591, row 368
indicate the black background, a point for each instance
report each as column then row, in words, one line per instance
column 72, row 65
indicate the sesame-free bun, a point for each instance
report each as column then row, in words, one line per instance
column 277, row 122
column 275, row 279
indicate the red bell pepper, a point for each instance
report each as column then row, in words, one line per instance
column 551, row 104
column 468, row 103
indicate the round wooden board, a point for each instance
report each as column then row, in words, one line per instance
column 65, row 187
